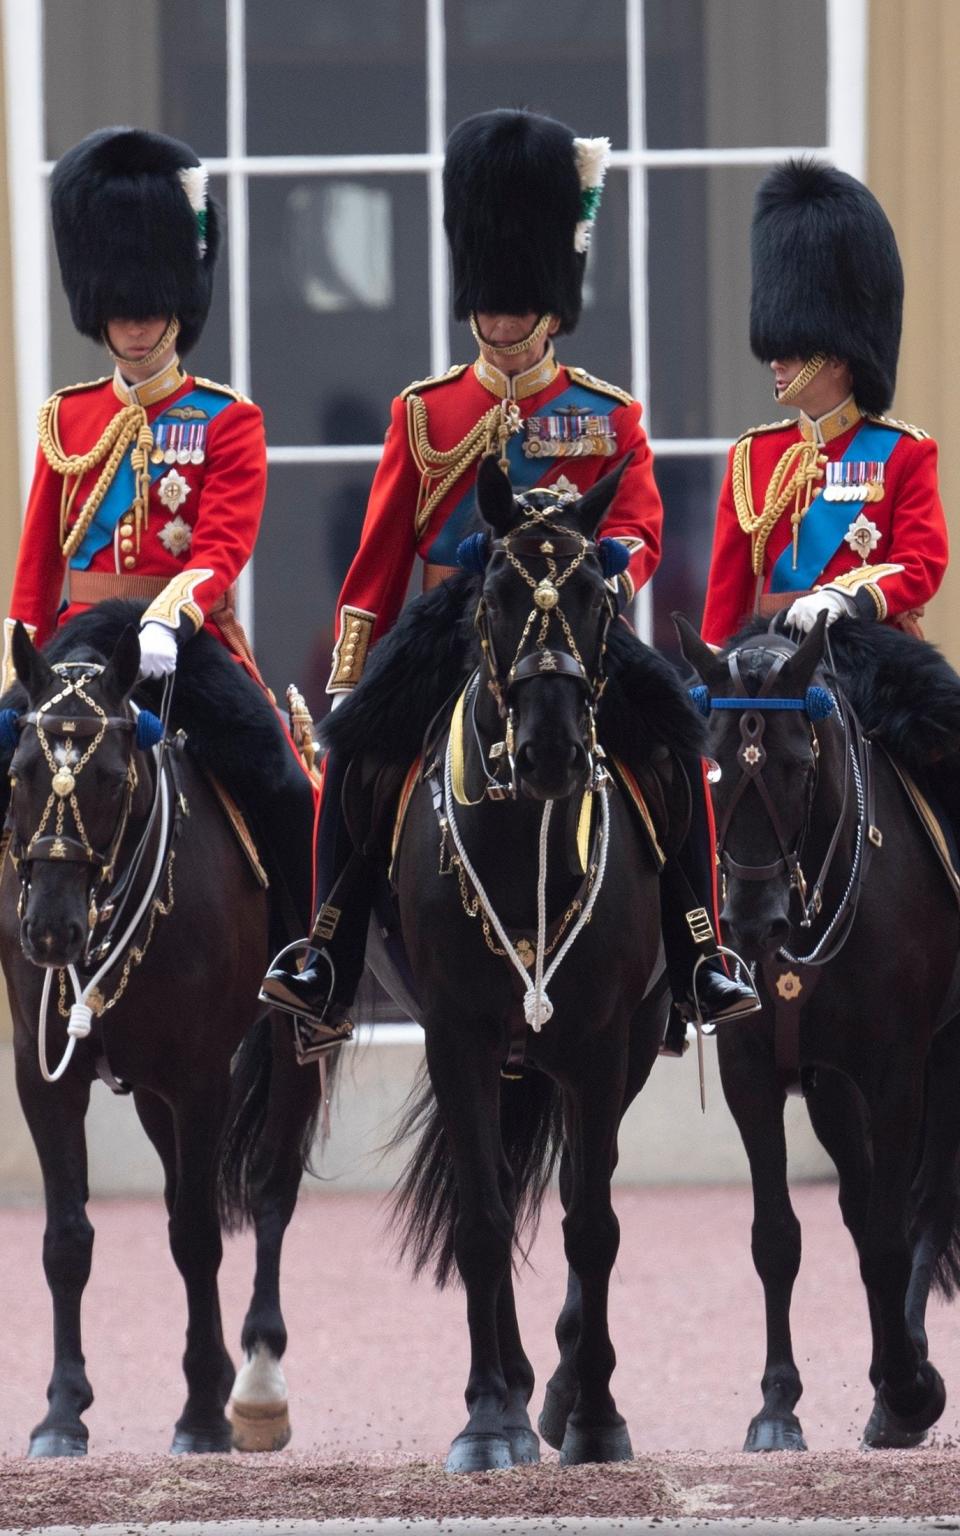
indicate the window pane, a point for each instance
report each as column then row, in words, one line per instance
column 729, row 73
column 73, row 358
column 690, row 488
column 601, row 342
column 704, row 380
column 161, row 64
column 569, row 61
column 332, row 77
column 339, row 307
column 310, row 532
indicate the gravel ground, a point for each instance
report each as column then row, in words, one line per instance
column 377, row 1365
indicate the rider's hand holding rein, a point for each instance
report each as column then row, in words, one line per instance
column 158, row 650
column 803, row 614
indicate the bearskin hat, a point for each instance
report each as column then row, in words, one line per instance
column 519, row 196
column 135, row 231
column 826, row 276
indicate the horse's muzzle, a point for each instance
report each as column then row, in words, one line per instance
column 755, row 919
column 552, row 775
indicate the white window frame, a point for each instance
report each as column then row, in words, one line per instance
column 27, row 175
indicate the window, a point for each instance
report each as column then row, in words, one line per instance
column 323, row 126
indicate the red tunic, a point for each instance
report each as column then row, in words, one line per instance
column 400, row 526
column 903, row 569
column 203, row 517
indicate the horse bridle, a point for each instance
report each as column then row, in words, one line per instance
column 817, row 703
column 539, row 537
column 59, row 846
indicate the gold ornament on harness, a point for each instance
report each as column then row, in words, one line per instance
column 63, row 782
column 545, row 594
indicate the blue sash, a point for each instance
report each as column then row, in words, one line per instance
column 826, row 522
column 524, row 474
column 122, row 488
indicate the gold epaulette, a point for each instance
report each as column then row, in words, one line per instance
column 222, row 389
column 590, row 381
column 74, row 389
column 767, row 426
column 901, row 426
column 419, row 385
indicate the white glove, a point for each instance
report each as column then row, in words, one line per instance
column 803, row 614
column 338, row 698
column 158, row 650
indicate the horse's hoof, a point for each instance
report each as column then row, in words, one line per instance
column 888, row 1429
column 259, row 1426
column 775, row 1434
column 201, row 1442
column 524, row 1445
column 56, row 1442
column 552, row 1422
column 607, row 1442
column 479, row 1453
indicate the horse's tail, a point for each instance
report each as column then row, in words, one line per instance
column 425, row 1203
column 247, row 1155
column 935, row 1197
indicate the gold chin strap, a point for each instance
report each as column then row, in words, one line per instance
column 515, row 347
column 809, row 371
column 169, row 336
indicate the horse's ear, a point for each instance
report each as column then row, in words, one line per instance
column 699, row 655
column 33, row 669
column 800, row 667
column 593, row 503
column 495, row 495
column 120, row 672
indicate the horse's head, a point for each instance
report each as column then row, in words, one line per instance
column 763, row 709
column 542, row 619
column 74, row 779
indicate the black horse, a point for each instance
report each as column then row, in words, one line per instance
column 517, row 858
column 133, row 934
column 836, row 892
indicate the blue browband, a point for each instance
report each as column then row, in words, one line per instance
column 817, row 703
column 473, row 553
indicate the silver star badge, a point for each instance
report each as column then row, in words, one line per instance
column 173, row 489
column 863, row 536
column 176, row 535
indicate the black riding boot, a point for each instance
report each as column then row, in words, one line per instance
column 316, row 979
column 702, row 989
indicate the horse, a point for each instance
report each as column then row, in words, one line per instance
column 519, row 867
column 836, row 894
column 133, row 934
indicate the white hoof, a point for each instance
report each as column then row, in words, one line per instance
column 258, row 1410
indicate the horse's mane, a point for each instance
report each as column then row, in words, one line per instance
column 211, row 699
column 432, row 650
column 903, row 690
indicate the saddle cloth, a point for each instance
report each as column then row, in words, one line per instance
column 936, row 825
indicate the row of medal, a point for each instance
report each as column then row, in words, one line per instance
column 569, row 434
column 854, row 480
column 176, row 442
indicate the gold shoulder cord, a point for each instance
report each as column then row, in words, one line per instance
column 129, row 427
column 795, row 475
column 443, row 469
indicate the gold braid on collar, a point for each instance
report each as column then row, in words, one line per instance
column 794, row 477
column 128, row 428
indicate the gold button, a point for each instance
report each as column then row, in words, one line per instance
column 126, row 545
column 129, row 561
column 126, row 520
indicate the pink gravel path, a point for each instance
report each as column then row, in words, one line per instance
column 377, row 1364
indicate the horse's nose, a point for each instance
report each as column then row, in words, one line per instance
column 51, row 948
column 573, row 755
column 754, row 937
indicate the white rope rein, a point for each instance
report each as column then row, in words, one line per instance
column 537, row 1007
column 81, row 1014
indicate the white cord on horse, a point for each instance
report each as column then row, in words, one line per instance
column 537, row 1006
column 81, row 1014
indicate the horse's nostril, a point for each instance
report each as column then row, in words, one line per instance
column 526, row 755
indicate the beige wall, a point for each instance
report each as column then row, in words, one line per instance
column 913, row 132
column 9, row 466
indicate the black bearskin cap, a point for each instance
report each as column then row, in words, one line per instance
column 131, row 241
column 511, row 206
column 826, row 276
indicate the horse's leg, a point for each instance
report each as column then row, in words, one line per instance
column 197, row 1249
column 561, row 1390
column 465, row 1074
column 756, row 1102
column 259, row 1410
column 595, row 1430
column 935, row 1191
column 517, row 1370
column 55, row 1114
column 910, row 1395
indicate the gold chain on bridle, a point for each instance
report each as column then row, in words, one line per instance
column 159, row 907
column 64, row 775
column 473, row 907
